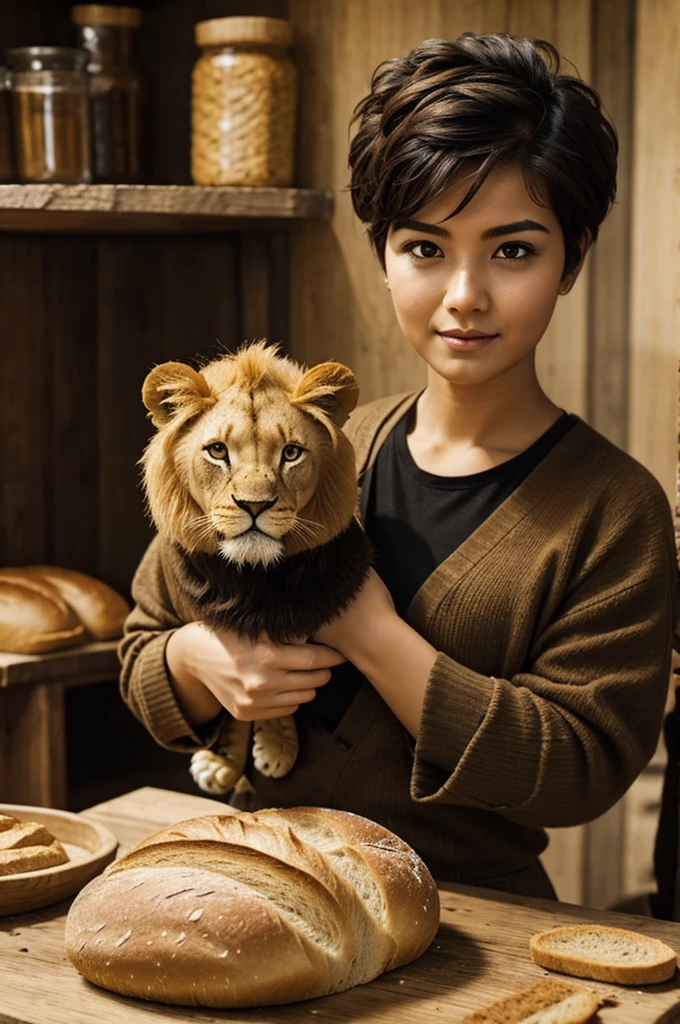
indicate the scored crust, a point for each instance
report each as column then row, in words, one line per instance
column 254, row 909
column 604, row 954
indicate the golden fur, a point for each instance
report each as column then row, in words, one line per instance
column 249, row 462
column 219, row 462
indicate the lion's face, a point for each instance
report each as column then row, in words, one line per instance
column 249, row 460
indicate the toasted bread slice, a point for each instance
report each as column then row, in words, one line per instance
column 546, row 1002
column 604, row 954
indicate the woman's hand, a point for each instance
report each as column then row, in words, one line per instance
column 370, row 606
column 214, row 669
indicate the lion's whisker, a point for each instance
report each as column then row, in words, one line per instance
column 306, row 529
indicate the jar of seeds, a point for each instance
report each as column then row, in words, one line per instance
column 243, row 103
column 50, row 114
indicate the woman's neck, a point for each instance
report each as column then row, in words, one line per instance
column 458, row 430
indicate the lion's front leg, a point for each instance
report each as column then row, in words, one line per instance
column 218, row 770
column 275, row 746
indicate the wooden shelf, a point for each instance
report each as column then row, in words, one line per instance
column 72, row 666
column 156, row 208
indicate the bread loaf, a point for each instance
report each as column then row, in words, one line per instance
column 546, row 1002
column 34, row 618
column 604, row 954
column 27, row 846
column 44, row 608
column 254, row 909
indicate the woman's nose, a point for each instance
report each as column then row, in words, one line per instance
column 466, row 291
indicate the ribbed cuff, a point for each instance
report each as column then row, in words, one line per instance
column 467, row 749
column 157, row 702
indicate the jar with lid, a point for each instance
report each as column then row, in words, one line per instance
column 50, row 114
column 6, row 158
column 243, row 103
column 109, row 34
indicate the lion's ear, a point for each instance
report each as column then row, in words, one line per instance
column 172, row 387
column 330, row 387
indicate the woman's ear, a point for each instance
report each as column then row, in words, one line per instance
column 569, row 280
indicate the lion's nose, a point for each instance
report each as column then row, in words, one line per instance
column 254, row 507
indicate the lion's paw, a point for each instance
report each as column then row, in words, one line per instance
column 275, row 746
column 212, row 773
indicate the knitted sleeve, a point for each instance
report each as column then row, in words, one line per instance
column 144, row 679
column 559, row 742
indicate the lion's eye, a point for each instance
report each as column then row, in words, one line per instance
column 291, row 452
column 218, row 450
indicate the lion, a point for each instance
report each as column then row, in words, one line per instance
column 250, row 475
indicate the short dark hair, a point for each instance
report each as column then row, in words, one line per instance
column 481, row 101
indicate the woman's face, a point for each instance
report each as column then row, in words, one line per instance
column 474, row 293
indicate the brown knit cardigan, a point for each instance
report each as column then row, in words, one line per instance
column 554, row 624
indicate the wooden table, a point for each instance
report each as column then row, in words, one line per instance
column 480, row 954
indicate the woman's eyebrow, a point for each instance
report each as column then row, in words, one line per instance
column 419, row 225
column 511, row 229
column 497, row 232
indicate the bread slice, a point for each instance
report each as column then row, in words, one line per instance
column 546, row 1002
column 604, row 954
column 27, row 846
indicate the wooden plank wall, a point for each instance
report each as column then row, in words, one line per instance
column 655, row 282
column 341, row 309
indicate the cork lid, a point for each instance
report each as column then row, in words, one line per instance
column 222, row 31
column 106, row 14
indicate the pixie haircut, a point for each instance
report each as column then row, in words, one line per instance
column 473, row 104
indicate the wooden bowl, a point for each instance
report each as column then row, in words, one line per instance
column 90, row 848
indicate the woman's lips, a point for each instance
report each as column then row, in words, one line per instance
column 466, row 341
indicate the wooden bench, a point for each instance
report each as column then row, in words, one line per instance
column 32, row 726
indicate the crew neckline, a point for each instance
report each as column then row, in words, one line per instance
column 483, row 476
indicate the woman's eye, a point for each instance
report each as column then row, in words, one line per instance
column 218, row 450
column 514, row 251
column 291, row 452
column 423, row 250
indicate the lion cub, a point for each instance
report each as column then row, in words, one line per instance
column 252, row 478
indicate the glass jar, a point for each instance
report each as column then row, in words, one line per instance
column 50, row 114
column 243, row 103
column 6, row 158
column 109, row 34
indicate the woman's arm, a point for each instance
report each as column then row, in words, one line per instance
column 395, row 658
column 145, row 681
column 560, row 741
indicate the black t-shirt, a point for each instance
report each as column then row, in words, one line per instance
column 415, row 520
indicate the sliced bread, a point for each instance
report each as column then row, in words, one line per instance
column 604, row 954
column 27, row 846
column 546, row 1002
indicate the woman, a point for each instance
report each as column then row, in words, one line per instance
column 512, row 648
